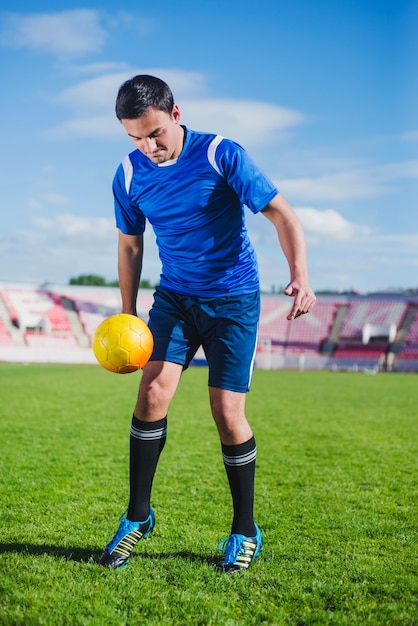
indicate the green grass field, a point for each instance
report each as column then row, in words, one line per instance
column 336, row 496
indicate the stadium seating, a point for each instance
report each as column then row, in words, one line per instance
column 42, row 340
column 341, row 332
column 360, row 352
column 90, row 321
column 35, row 309
column 4, row 293
column 410, row 347
column 357, row 348
column 371, row 311
column 94, row 304
column 304, row 334
column 5, row 338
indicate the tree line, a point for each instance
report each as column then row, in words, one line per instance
column 92, row 280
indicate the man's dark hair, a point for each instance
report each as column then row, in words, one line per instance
column 139, row 93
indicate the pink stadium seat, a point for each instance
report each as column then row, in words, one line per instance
column 410, row 348
column 306, row 333
column 26, row 306
column 42, row 340
column 90, row 321
column 58, row 318
column 368, row 311
column 5, row 338
column 43, row 322
column 9, row 305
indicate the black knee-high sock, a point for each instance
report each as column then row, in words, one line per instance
column 146, row 443
column 239, row 463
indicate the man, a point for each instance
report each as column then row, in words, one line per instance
column 192, row 188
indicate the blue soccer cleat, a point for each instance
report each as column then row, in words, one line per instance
column 118, row 550
column 240, row 551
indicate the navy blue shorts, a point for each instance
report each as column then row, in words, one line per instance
column 225, row 327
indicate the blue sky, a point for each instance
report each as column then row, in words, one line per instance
column 322, row 93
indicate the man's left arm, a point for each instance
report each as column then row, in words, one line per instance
column 292, row 242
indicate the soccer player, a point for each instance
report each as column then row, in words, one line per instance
column 192, row 187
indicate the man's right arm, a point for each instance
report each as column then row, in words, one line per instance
column 130, row 251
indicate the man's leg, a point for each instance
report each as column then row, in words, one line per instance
column 239, row 455
column 147, row 438
column 148, row 432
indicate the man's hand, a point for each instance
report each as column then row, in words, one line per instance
column 304, row 299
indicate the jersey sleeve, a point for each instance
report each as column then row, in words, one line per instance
column 249, row 182
column 129, row 217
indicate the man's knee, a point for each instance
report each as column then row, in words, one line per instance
column 156, row 390
column 228, row 410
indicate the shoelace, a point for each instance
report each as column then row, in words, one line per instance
column 123, row 529
column 232, row 546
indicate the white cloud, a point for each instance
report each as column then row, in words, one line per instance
column 342, row 254
column 396, row 171
column 64, row 33
column 34, row 204
column 396, row 247
column 358, row 183
column 56, row 199
column 97, row 126
column 93, row 101
column 140, row 24
column 47, row 253
column 330, row 188
column 329, row 224
column 66, row 245
column 249, row 122
column 99, row 93
column 48, row 199
column 78, row 230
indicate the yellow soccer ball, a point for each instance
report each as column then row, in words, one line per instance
column 122, row 343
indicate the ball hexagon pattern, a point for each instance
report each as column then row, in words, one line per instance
column 122, row 343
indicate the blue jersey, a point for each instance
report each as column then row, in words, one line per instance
column 195, row 204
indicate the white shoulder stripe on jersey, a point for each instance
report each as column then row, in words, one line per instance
column 129, row 171
column 211, row 152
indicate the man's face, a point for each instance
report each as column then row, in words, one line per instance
column 157, row 134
